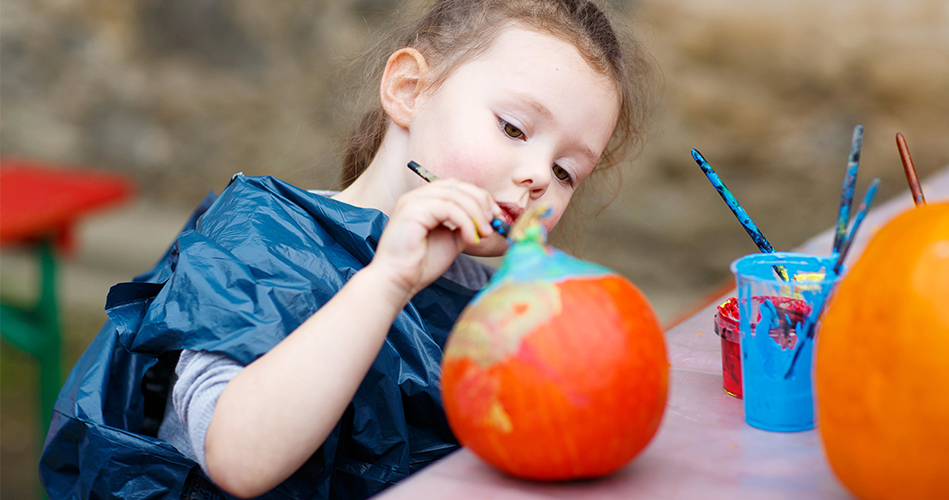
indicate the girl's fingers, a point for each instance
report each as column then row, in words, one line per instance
column 428, row 228
column 474, row 201
column 435, row 211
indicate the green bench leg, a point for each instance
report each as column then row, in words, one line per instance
column 36, row 331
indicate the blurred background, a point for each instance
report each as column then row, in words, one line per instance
column 181, row 94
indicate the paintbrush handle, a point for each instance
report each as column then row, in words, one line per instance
column 845, row 248
column 857, row 220
column 910, row 170
column 422, row 172
column 756, row 235
column 760, row 241
column 850, row 180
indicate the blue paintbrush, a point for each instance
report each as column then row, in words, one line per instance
column 846, row 195
column 861, row 213
column 844, row 249
column 760, row 241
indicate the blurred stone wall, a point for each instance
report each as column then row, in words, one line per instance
column 180, row 93
column 769, row 92
column 183, row 93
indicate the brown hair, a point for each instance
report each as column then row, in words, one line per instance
column 455, row 31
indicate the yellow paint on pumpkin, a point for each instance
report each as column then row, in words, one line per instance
column 498, row 418
column 564, row 378
column 491, row 330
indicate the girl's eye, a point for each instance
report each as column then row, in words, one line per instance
column 511, row 131
column 562, row 174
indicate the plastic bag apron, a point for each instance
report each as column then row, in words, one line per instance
column 248, row 268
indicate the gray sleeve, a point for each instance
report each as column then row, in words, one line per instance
column 469, row 272
column 202, row 376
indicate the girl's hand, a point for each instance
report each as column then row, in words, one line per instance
column 428, row 228
column 278, row 411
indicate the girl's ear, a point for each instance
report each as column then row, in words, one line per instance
column 404, row 78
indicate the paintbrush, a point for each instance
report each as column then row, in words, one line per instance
column 501, row 227
column 846, row 195
column 760, row 241
column 914, row 186
column 845, row 248
column 858, row 218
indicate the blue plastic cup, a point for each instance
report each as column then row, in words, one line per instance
column 775, row 316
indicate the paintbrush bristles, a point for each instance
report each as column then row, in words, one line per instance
column 910, row 170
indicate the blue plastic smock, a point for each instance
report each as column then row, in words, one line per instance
column 248, row 268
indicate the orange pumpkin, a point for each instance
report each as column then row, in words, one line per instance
column 882, row 369
column 557, row 370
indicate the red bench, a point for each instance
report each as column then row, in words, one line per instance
column 39, row 208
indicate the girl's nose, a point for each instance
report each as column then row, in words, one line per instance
column 534, row 176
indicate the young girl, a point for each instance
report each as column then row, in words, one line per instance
column 304, row 331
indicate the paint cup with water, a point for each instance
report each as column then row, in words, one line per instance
column 774, row 317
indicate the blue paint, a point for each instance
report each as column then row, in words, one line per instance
column 532, row 260
column 838, row 265
column 861, row 213
column 846, row 196
column 501, row 227
column 775, row 398
column 756, row 235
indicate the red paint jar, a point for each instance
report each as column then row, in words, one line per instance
column 726, row 327
column 790, row 312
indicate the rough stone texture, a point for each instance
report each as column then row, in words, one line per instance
column 769, row 92
column 181, row 94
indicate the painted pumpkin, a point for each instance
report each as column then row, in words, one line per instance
column 882, row 370
column 557, row 369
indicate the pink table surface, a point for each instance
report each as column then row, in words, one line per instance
column 703, row 448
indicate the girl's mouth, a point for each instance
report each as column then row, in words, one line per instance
column 510, row 212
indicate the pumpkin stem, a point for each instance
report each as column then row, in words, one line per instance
column 527, row 227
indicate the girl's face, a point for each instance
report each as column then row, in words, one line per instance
column 527, row 121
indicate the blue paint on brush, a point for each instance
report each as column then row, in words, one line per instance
column 846, row 196
column 756, row 235
column 808, row 326
column 845, row 248
column 811, row 323
column 861, row 213
column 500, row 226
